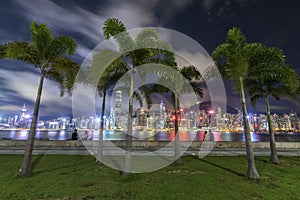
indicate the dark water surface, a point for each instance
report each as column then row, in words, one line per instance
column 146, row 135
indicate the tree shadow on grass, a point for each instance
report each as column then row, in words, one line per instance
column 262, row 159
column 37, row 159
column 222, row 167
column 73, row 165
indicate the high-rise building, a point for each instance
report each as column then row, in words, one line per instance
column 23, row 112
column 219, row 120
column 295, row 123
column 162, row 115
column 23, row 121
column 141, row 119
column 118, row 109
column 111, row 119
column 192, row 120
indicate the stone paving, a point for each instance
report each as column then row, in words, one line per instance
column 169, row 151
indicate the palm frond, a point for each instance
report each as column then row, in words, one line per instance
column 268, row 75
column 236, row 39
column 213, row 71
column 138, row 97
column 190, row 73
column 197, row 89
column 146, row 38
column 2, row 50
column 221, row 52
column 112, row 27
column 65, row 70
column 41, row 37
column 62, row 45
column 254, row 98
column 22, row 51
column 232, row 55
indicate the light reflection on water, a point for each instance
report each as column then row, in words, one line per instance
column 61, row 135
column 145, row 135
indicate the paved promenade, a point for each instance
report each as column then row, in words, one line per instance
column 78, row 147
column 113, row 151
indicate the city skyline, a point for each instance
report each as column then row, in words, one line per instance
column 269, row 22
column 159, row 119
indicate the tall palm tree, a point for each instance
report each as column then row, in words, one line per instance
column 141, row 55
column 116, row 68
column 193, row 76
column 269, row 76
column 234, row 56
column 48, row 54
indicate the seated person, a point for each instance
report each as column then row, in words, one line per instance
column 74, row 135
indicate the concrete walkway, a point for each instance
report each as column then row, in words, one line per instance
column 166, row 151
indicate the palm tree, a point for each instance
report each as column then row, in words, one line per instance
column 234, row 56
column 193, row 76
column 135, row 53
column 116, row 68
column 47, row 54
column 269, row 76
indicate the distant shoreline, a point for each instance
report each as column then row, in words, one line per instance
column 158, row 130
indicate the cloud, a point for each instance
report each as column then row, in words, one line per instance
column 74, row 18
column 136, row 14
column 69, row 19
column 84, row 100
column 198, row 59
column 87, row 25
column 132, row 14
column 23, row 85
column 10, row 108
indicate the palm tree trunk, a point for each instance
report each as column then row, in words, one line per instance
column 176, row 136
column 100, row 144
column 274, row 157
column 251, row 172
column 127, row 169
column 25, row 169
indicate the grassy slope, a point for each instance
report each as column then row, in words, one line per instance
column 78, row 177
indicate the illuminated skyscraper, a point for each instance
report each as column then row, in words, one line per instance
column 23, row 122
column 141, row 119
column 118, row 109
column 162, row 115
column 23, row 113
column 219, row 120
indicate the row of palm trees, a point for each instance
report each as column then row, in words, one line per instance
column 149, row 51
column 263, row 71
column 253, row 66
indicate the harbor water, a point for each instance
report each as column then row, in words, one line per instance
column 193, row 135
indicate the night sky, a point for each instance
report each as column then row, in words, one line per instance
column 272, row 22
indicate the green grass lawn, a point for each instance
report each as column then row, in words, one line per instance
column 78, row 177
